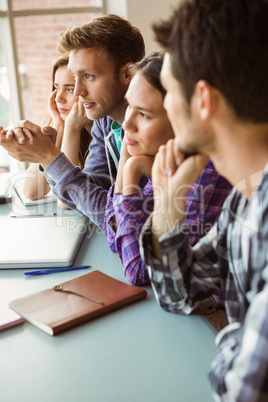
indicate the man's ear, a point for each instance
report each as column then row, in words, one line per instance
column 206, row 99
column 124, row 73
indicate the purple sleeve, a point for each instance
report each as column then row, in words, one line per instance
column 109, row 214
column 131, row 212
column 204, row 202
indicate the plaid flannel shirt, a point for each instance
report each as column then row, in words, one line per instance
column 203, row 205
column 231, row 257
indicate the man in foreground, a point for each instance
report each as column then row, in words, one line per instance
column 215, row 74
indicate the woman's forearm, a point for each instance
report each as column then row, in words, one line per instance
column 35, row 184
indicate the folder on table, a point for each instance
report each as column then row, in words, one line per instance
column 56, row 311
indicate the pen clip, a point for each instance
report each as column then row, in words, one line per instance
column 59, row 288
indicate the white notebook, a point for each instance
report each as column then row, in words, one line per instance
column 5, row 188
column 41, row 242
column 18, row 185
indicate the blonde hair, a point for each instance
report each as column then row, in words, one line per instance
column 85, row 138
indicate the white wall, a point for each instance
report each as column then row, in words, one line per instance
column 142, row 13
column 118, row 7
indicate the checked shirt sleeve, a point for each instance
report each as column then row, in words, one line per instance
column 204, row 202
column 240, row 371
column 109, row 214
column 131, row 212
column 188, row 275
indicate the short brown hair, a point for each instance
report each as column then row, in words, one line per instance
column 224, row 43
column 118, row 37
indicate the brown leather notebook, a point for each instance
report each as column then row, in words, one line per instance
column 77, row 301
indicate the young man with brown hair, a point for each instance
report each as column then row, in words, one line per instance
column 215, row 74
column 100, row 53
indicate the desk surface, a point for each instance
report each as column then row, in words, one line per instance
column 137, row 354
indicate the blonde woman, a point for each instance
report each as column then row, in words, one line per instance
column 68, row 117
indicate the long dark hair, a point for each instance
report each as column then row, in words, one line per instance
column 150, row 67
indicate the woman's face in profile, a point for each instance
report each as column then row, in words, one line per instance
column 146, row 123
column 64, row 85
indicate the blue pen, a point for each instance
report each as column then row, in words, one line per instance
column 55, row 270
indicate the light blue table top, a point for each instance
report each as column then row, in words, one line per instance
column 137, row 354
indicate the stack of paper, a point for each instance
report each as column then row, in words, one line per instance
column 5, row 185
column 9, row 318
